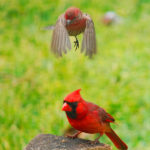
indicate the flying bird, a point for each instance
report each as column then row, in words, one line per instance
column 90, row 118
column 72, row 23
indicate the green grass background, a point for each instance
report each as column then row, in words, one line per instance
column 33, row 82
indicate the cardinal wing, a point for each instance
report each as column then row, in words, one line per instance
column 105, row 117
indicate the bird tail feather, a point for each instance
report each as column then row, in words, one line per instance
column 116, row 140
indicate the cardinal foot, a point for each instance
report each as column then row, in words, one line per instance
column 94, row 142
column 72, row 136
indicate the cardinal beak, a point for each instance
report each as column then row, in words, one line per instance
column 66, row 107
column 68, row 21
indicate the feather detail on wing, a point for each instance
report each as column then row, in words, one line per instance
column 89, row 39
column 60, row 38
column 105, row 117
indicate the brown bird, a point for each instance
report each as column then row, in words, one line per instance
column 72, row 23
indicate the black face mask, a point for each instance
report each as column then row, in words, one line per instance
column 72, row 114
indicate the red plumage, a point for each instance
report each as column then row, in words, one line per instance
column 78, row 25
column 90, row 118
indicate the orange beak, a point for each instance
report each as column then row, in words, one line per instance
column 66, row 107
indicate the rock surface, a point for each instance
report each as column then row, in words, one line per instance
column 53, row 142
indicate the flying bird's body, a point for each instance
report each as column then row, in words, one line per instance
column 72, row 23
column 90, row 118
column 77, row 27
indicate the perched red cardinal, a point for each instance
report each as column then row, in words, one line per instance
column 90, row 118
column 72, row 23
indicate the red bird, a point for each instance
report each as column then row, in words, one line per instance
column 90, row 118
column 72, row 23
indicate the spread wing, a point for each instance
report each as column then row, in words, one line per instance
column 60, row 38
column 89, row 38
column 105, row 117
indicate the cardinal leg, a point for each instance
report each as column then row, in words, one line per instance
column 76, row 43
column 75, row 135
column 97, row 139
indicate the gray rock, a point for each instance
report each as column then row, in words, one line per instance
column 53, row 142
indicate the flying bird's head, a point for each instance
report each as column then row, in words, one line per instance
column 74, row 105
column 72, row 14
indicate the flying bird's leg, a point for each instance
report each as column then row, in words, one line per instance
column 75, row 135
column 76, row 43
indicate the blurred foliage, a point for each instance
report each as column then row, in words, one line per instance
column 33, row 82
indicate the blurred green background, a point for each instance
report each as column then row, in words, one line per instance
column 33, row 82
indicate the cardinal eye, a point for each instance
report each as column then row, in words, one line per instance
column 74, row 104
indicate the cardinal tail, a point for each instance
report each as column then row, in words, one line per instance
column 116, row 140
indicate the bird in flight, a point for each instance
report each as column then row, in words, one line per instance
column 72, row 23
